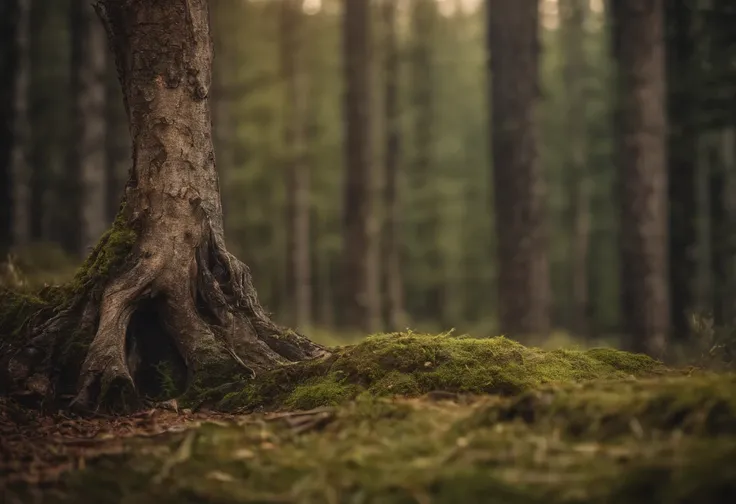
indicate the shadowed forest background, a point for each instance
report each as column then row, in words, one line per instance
column 376, row 174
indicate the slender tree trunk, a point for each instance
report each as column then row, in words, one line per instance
column 720, row 229
column 423, row 176
column 642, row 160
column 518, row 180
column 574, row 13
column 8, row 63
column 728, row 158
column 393, row 294
column 360, row 281
column 682, row 145
column 162, row 275
column 299, row 274
column 89, row 52
column 117, row 144
column 19, row 165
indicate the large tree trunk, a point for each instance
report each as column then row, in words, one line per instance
column 518, row 181
column 642, row 130
column 299, row 274
column 574, row 13
column 393, row 294
column 682, row 144
column 162, row 276
column 89, row 52
column 360, row 280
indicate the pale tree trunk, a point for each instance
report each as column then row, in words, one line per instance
column 518, row 180
column 360, row 278
column 19, row 165
column 642, row 159
column 573, row 13
column 89, row 52
column 393, row 295
column 176, row 285
column 299, row 274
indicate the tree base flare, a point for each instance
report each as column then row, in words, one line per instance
column 153, row 322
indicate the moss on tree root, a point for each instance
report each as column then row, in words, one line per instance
column 60, row 320
column 409, row 365
column 400, row 451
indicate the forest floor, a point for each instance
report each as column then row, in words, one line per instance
column 520, row 425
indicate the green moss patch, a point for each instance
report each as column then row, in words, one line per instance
column 694, row 405
column 409, row 364
column 108, row 256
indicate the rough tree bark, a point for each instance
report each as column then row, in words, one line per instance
column 642, row 160
column 177, row 281
column 391, row 264
column 360, row 285
column 299, row 274
column 518, row 180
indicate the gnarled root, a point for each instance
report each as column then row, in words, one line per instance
column 106, row 362
column 208, row 308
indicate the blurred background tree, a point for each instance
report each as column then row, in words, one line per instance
column 399, row 163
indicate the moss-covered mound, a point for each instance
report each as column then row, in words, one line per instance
column 409, row 451
column 409, row 365
column 703, row 405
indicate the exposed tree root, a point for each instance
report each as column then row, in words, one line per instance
column 206, row 307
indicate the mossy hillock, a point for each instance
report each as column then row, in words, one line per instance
column 409, row 364
column 701, row 405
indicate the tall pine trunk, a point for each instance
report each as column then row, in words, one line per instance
column 299, row 274
column 19, row 63
column 574, row 13
column 423, row 175
column 88, row 160
column 518, row 180
column 360, row 278
column 682, row 162
column 8, row 62
column 642, row 167
column 393, row 295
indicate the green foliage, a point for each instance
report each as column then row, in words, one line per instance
column 410, row 364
